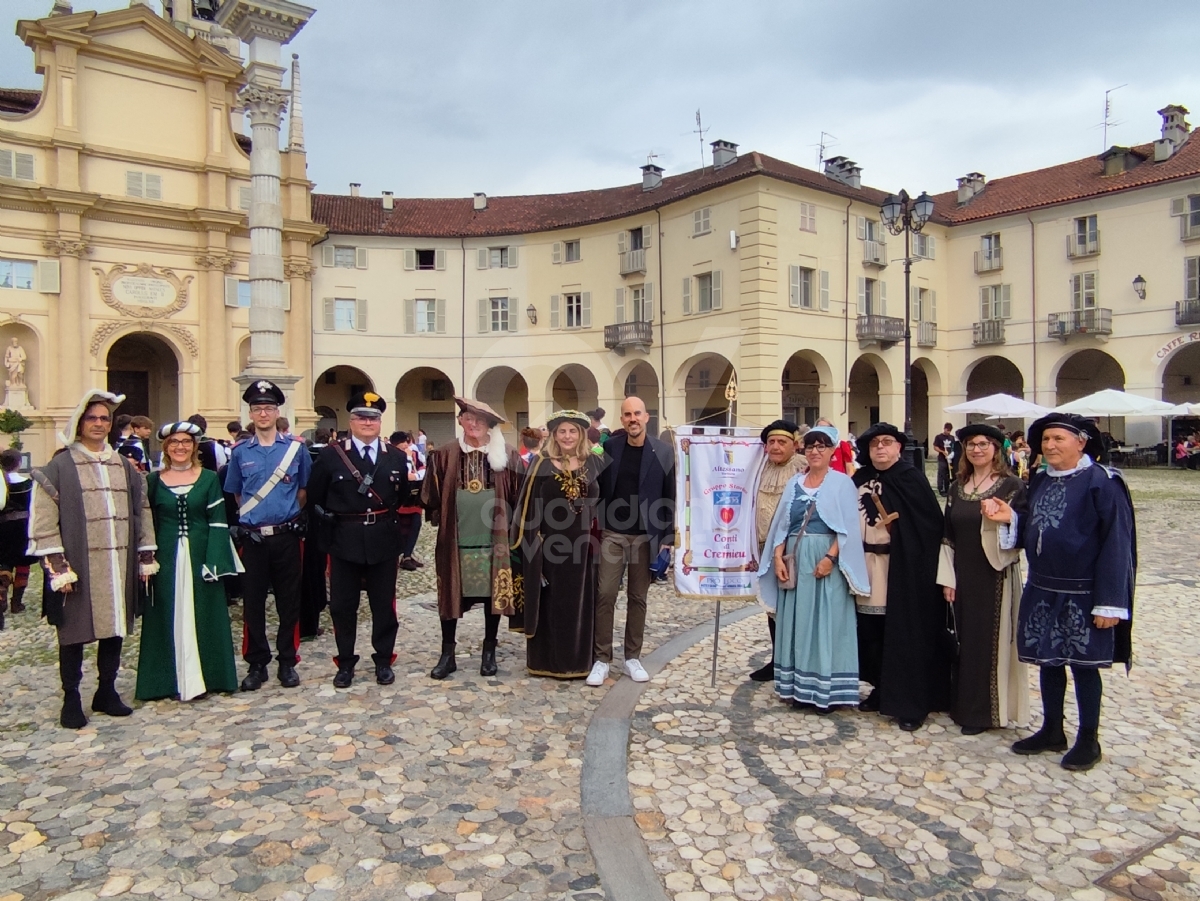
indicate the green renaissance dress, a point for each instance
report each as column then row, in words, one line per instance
column 186, row 648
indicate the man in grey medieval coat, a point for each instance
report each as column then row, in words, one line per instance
column 90, row 523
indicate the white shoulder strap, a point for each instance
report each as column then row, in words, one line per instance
column 269, row 485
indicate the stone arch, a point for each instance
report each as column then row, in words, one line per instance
column 993, row 375
column 335, row 386
column 30, row 341
column 639, row 378
column 145, row 367
column 424, row 399
column 702, row 380
column 869, row 380
column 573, row 387
column 504, row 390
column 1181, row 375
column 1084, row 372
column 804, row 376
column 243, row 354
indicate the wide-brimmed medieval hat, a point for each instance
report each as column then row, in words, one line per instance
column 185, row 427
column 479, row 408
column 863, row 442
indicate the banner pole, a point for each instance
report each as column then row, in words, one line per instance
column 716, row 638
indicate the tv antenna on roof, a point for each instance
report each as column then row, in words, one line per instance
column 651, row 157
column 1108, row 119
column 700, row 130
column 823, row 146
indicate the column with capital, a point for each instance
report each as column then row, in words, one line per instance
column 70, row 323
column 214, row 394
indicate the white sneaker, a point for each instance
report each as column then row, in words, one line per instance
column 598, row 674
column 636, row 671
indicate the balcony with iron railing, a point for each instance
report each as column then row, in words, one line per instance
column 633, row 261
column 926, row 334
column 884, row 329
column 1080, row 246
column 1187, row 312
column 989, row 261
column 988, row 331
column 1093, row 321
column 875, row 254
column 625, row 335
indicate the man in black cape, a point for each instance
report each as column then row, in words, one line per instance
column 899, row 625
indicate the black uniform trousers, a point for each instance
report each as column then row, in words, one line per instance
column 346, row 581
column 272, row 561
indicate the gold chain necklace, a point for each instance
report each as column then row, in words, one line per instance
column 572, row 482
column 473, row 472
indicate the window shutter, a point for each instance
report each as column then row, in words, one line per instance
column 485, row 315
column 931, row 245
column 133, row 184
column 915, row 303
column 327, row 255
column 862, row 296
column 794, row 287
column 619, row 306
column 512, row 258
column 483, row 258
column 6, row 166
column 585, row 309
column 1090, row 288
column 360, row 258
column 231, row 293
column 1076, row 290
column 705, row 217
column 245, row 198
column 153, row 186
column 24, row 166
column 285, row 295
column 1178, row 204
column 647, row 232
column 556, row 252
column 933, row 306
column 648, row 302
column 622, row 241
column 862, row 229
column 882, row 297
column 1005, row 302
column 1191, row 278
column 410, row 316
column 514, row 313
column 327, row 303
column 555, row 321
column 49, row 277
column 824, row 289
column 410, row 259
column 716, row 289
column 985, row 303
column 439, row 313
column 687, row 295
column 439, row 260
column 360, row 314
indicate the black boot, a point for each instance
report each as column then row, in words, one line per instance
column 108, row 661
column 487, row 665
column 255, row 678
column 1086, row 753
column 70, row 669
column 446, row 663
column 18, row 604
column 1049, row 738
column 767, row 672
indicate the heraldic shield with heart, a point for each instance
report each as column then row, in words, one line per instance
column 728, row 506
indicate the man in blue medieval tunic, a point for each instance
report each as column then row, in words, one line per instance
column 1077, row 607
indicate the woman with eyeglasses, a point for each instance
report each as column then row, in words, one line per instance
column 982, row 582
column 814, row 545
column 186, row 648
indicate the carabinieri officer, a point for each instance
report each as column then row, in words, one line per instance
column 356, row 487
column 268, row 474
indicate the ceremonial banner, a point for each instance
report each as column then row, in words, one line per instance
column 715, row 472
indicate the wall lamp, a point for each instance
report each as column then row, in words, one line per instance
column 1139, row 287
column 531, row 312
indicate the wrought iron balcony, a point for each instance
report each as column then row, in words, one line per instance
column 1079, row 246
column 1187, row 312
column 990, row 261
column 926, row 334
column 625, row 335
column 884, row 329
column 1094, row 321
column 633, row 261
column 988, row 331
column 875, row 254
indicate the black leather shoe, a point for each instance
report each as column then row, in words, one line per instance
column 871, row 703
column 384, row 675
column 487, row 663
column 408, row 564
column 1086, row 752
column 1048, row 738
column 446, row 663
column 344, row 678
column 765, row 673
column 107, row 701
column 256, row 678
column 288, row 677
column 974, row 730
column 911, row 725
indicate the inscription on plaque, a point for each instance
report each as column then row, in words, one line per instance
column 143, row 291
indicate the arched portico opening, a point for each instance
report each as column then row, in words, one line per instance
column 335, row 386
column 869, row 378
column 424, row 399
column 995, row 375
column 573, row 387
column 804, row 374
column 504, row 390
column 145, row 368
column 638, row 380
column 703, row 381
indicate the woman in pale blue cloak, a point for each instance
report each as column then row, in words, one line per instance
column 816, row 644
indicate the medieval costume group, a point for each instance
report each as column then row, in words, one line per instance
column 864, row 577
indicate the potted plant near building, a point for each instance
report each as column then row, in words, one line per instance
column 14, row 423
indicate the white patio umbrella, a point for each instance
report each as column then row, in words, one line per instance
column 1185, row 410
column 1111, row 402
column 1000, row 406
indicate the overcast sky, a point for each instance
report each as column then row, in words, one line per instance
column 445, row 98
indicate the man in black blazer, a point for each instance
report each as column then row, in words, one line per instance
column 355, row 488
column 637, row 515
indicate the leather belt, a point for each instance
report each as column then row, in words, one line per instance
column 268, row 531
column 369, row 518
column 877, row 548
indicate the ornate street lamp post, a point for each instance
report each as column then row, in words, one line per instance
column 904, row 215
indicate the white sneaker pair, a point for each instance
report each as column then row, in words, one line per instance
column 598, row 674
column 633, row 669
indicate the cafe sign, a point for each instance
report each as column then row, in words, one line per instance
column 143, row 291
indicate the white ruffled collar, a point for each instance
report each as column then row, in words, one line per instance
column 1084, row 462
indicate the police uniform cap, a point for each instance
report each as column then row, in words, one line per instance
column 263, row 391
column 367, row 403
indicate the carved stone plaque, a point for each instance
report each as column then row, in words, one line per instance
column 143, row 291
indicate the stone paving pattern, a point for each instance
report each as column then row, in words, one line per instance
column 741, row 796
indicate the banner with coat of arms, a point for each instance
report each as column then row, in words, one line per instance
column 716, row 554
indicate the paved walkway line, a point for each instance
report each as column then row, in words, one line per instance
column 614, row 838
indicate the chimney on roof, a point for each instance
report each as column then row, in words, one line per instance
column 389, row 200
column 844, row 170
column 724, row 153
column 480, row 201
column 354, row 188
column 651, row 176
column 970, row 185
column 1117, row 159
column 61, row 8
column 1175, row 130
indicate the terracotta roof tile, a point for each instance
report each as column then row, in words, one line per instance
column 456, row 217
column 1065, row 183
column 18, row 100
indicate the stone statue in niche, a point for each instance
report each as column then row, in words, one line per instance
column 14, row 362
